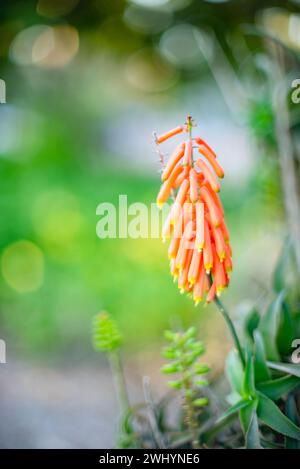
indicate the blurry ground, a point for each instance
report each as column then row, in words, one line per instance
column 56, row 408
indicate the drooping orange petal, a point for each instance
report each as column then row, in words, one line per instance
column 173, row 160
column 209, row 175
column 183, row 276
column 211, row 293
column 170, row 133
column 187, row 157
column 207, row 250
column 212, row 160
column 181, row 253
column 167, row 227
column 173, row 247
column 210, row 203
column 218, row 273
column 219, row 243
column 166, row 187
column 194, row 266
column 194, row 186
column 200, row 285
column 199, row 243
column 209, row 151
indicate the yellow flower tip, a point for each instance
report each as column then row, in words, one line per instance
column 227, row 240
column 164, row 240
column 159, row 204
column 182, row 291
column 197, row 300
column 175, row 277
column 189, row 294
column 200, row 249
column 192, row 280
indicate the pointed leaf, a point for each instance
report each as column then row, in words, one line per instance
column 285, row 332
column 276, row 388
column 233, row 409
column 291, row 412
column 288, row 368
column 234, row 371
column 252, row 322
column 248, row 383
column 271, row 415
column 252, row 434
column 269, row 327
column 262, row 372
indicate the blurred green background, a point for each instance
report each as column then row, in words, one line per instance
column 86, row 84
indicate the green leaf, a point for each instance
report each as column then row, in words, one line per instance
column 285, row 333
column 288, row 368
column 276, row 388
column 234, row 409
column 271, row 415
column 269, row 327
column 234, row 371
column 262, row 372
column 291, row 412
column 280, row 269
column 248, row 383
column 251, row 323
column 252, row 438
column 245, row 415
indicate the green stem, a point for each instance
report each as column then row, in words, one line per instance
column 231, row 328
column 118, row 373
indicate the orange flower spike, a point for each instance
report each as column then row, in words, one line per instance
column 187, row 157
column 207, row 250
column 194, row 266
column 209, row 175
column 173, row 160
column 210, row 203
column 165, row 189
column 166, row 135
column 173, row 247
column 209, row 150
column 211, row 293
column 212, row 160
column 194, row 186
column 199, row 243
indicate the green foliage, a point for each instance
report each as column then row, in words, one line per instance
column 106, row 335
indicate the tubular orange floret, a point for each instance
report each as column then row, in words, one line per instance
column 212, row 160
column 170, row 133
column 187, row 157
column 219, row 243
column 165, row 190
column 200, row 285
column 173, row 248
column 173, row 160
column 167, row 228
column 209, row 175
column 218, row 273
column 210, row 203
column 173, row 269
column 225, row 231
column 211, row 293
column 207, row 250
column 199, row 242
column 181, row 254
column 209, row 150
column 194, row 266
column 183, row 276
column 194, row 186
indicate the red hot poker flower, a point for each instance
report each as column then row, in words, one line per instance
column 200, row 251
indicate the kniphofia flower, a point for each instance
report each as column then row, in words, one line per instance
column 199, row 250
